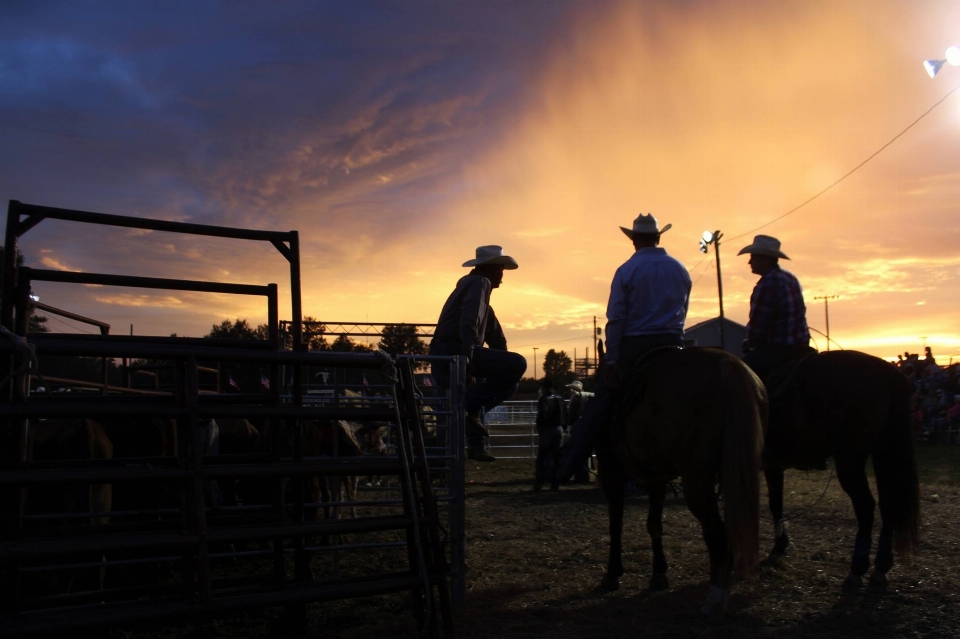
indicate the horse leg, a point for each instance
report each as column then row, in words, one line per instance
column 852, row 475
column 657, row 493
column 613, row 489
column 781, row 540
column 702, row 502
column 884, row 560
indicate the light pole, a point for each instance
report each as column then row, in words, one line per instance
column 534, row 363
column 826, row 310
column 952, row 56
column 714, row 238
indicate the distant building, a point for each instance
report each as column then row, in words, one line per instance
column 708, row 334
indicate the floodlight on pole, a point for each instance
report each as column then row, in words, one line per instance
column 952, row 57
column 705, row 240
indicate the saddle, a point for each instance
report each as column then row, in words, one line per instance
column 782, row 380
column 783, row 389
column 632, row 389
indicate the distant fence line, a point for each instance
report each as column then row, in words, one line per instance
column 513, row 429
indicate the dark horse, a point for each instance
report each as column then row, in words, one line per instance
column 850, row 406
column 700, row 414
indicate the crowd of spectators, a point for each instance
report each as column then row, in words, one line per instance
column 936, row 396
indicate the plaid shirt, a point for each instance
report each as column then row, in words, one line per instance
column 778, row 316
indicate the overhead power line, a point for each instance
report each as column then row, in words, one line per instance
column 854, row 169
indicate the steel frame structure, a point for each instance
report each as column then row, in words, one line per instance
column 195, row 529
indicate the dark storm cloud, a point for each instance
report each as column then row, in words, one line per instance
column 257, row 114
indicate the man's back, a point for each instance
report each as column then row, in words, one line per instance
column 550, row 411
column 653, row 293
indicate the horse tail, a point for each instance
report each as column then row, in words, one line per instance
column 895, row 467
column 745, row 415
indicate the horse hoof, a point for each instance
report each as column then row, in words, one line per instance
column 716, row 603
column 853, row 582
column 780, row 544
column 610, row 583
column 659, row 582
column 878, row 580
column 776, row 556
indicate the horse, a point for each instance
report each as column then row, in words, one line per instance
column 141, row 442
column 64, row 440
column 700, row 414
column 850, row 406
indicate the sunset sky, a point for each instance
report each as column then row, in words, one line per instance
column 396, row 137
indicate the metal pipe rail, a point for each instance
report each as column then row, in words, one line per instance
column 203, row 349
column 22, row 549
column 42, row 622
column 197, row 524
column 116, row 471
column 192, row 537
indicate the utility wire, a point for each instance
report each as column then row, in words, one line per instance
column 68, row 324
column 854, row 169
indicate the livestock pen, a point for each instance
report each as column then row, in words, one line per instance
column 184, row 551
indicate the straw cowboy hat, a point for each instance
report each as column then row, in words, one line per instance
column 492, row 254
column 576, row 385
column 764, row 245
column 645, row 225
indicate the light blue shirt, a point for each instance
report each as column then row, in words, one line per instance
column 649, row 295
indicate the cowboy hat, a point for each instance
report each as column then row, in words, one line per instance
column 645, row 225
column 576, row 385
column 492, row 254
column 764, row 245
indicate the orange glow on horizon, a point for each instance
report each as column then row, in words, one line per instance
column 708, row 115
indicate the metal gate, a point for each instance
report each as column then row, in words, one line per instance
column 290, row 550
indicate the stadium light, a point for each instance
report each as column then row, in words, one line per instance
column 952, row 57
column 705, row 240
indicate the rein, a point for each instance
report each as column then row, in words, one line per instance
column 814, row 505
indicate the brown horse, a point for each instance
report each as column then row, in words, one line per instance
column 850, row 406
column 699, row 414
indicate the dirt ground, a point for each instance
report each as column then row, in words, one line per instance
column 535, row 560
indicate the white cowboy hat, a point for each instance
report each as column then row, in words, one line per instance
column 645, row 225
column 492, row 254
column 764, row 245
column 576, row 385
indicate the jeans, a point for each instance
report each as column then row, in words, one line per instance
column 548, row 455
column 497, row 375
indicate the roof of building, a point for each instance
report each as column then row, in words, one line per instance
column 711, row 321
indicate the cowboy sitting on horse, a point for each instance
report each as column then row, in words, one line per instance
column 777, row 331
column 648, row 304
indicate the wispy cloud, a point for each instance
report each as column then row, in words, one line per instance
column 398, row 137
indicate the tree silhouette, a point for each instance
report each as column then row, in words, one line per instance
column 344, row 344
column 558, row 366
column 245, row 377
column 313, row 334
column 403, row 339
column 240, row 329
column 399, row 339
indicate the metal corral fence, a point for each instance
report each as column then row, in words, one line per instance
column 121, row 505
column 513, row 429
